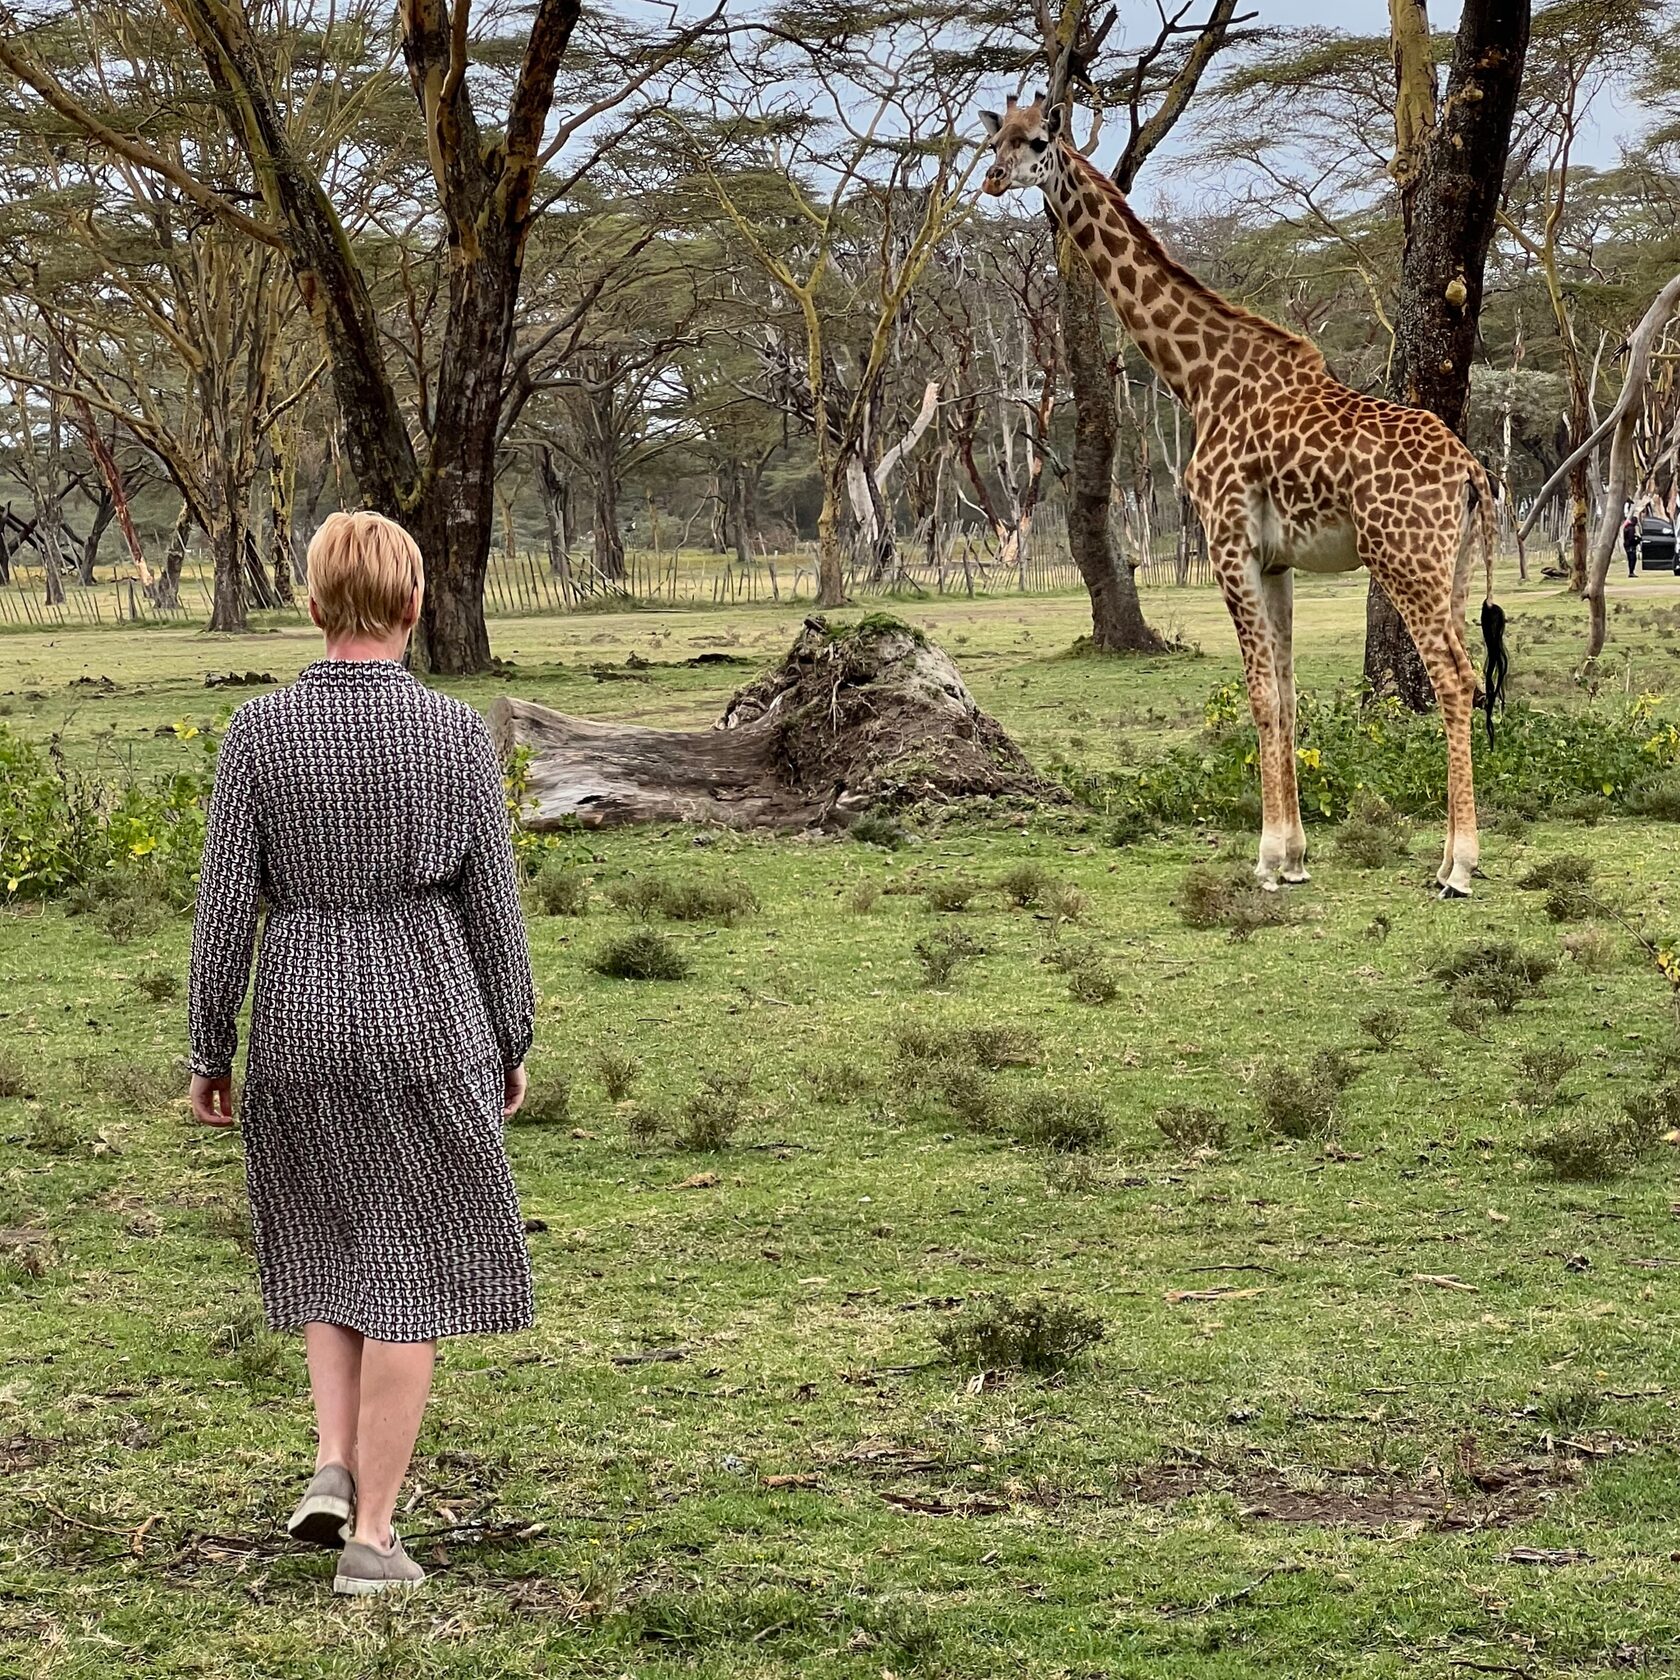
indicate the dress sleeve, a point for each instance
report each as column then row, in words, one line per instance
column 489, row 897
column 225, row 911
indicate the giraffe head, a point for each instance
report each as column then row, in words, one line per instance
column 1022, row 141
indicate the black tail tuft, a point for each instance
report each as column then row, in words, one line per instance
column 1498, row 661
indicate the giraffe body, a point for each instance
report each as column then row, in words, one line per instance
column 1292, row 471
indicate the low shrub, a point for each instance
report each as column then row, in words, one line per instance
column 643, row 1123
column 1541, row 1071
column 1352, row 746
column 713, row 1114
column 1302, row 1103
column 1571, row 902
column 882, row 831
column 1374, row 835
column 941, row 954
column 1497, row 972
column 863, row 897
column 160, row 986
column 1093, row 981
column 951, row 895
column 1066, row 903
column 994, row 1047
column 1567, row 869
column 641, row 954
column 548, row 1102
column 560, row 889
column 725, row 902
column 837, row 1079
column 1383, row 1027
column 1597, row 1142
column 1032, row 1333
column 618, row 1072
column 1227, row 895
column 1189, row 1126
column 1064, row 1122
column 15, row 1077
column 1025, row 884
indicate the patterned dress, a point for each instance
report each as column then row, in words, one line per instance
column 393, row 990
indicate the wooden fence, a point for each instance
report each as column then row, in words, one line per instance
column 521, row 584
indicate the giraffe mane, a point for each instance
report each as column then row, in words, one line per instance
column 1150, row 241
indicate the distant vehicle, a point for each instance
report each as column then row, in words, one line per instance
column 1656, row 543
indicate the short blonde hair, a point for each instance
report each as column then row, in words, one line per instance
column 364, row 573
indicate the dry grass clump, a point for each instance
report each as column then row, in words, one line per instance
column 1383, row 1027
column 1567, row 869
column 882, row 831
column 1594, row 948
column 1541, row 1071
column 641, row 954
column 15, row 1080
column 941, row 955
column 618, row 1072
column 1064, row 1122
column 951, row 895
column 1303, row 1103
column 1093, row 981
column 1025, row 885
column 548, row 1102
column 1374, row 834
column 160, row 986
column 560, row 889
column 837, row 1079
column 1660, row 801
column 712, row 1115
column 140, row 1087
column 644, row 1123
column 1227, row 895
column 1032, row 1333
column 863, row 897
column 992, row 1047
column 1065, row 902
column 1190, row 1126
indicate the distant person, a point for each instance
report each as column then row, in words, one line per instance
column 388, row 1034
column 1630, row 542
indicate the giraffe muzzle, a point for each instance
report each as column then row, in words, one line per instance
column 996, row 181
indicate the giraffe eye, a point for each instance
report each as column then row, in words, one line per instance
column 1038, row 142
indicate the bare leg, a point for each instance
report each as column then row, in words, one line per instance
column 396, row 1380
column 1277, row 593
column 335, row 1382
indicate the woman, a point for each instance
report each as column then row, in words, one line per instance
column 388, row 1033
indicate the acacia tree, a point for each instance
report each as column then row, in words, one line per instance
column 1152, row 87
column 817, row 138
column 1449, row 167
column 490, row 185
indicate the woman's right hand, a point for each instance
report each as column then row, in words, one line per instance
column 513, row 1091
column 212, row 1100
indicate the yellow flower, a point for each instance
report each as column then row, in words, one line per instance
column 146, row 843
column 1311, row 758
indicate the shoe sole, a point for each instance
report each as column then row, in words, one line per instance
column 320, row 1521
column 353, row 1586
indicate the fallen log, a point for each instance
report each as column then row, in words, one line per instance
column 856, row 718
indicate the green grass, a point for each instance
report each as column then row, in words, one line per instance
column 1276, row 1462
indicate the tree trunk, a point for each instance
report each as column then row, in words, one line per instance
column 609, row 544
column 831, row 564
column 282, row 486
column 166, row 588
column 1117, row 621
column 1448, row 206
column 104, row 511
column 554, row 491
column 227, row 560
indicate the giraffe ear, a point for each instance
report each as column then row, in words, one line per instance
column 991, row 122
column 1053, row 123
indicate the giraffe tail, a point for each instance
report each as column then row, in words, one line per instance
column 1493, row 615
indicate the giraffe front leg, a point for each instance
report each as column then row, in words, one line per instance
column 1238, row 572
column 1277, row 593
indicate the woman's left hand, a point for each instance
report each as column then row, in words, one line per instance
column 513, row 1091
column 212, row 1100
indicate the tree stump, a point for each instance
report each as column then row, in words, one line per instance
column 855, row 718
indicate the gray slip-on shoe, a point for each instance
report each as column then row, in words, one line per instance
column 365, row 1569
column 328, row 1504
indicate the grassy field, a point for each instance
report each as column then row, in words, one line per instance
column 1391, row 1400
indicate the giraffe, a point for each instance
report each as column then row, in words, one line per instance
column 1292, row 471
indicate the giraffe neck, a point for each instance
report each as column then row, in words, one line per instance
column 1189, row 334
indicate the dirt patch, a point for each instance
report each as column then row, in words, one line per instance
column 1362, row 1497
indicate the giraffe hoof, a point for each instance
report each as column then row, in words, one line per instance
column 1298, row 879
column 1266, row 884
column 1449, row 891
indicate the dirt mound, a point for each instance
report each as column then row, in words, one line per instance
column 855, row 717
